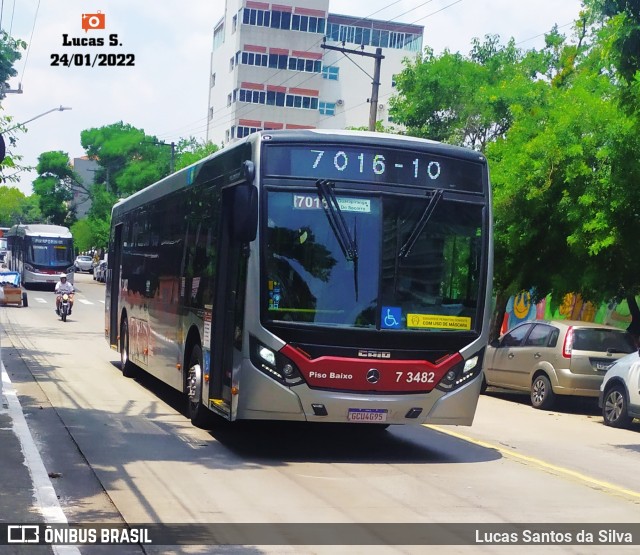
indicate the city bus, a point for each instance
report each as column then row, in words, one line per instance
column 310, row 275
column 40, row 253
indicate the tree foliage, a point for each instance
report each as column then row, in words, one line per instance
column 131, row 160
column 560, row 128
column 54, row 187
column 15, row 207
column 191, row 150
column 9, row 54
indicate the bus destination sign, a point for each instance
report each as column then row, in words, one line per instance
column 379, row 165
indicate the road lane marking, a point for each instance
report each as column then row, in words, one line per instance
column 41, row 300
column 552, row 468
column 44, row 493
column 85, row 301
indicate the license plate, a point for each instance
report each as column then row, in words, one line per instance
column 367, row 415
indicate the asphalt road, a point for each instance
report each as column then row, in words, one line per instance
column 121, row 450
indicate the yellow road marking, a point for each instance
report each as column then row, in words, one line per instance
column 593, row 482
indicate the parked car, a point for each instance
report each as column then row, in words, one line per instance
column 620, row 392
column 100, row 271
column 83, row 263
column 557, row 357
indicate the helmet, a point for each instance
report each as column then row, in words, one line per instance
column 63, row 276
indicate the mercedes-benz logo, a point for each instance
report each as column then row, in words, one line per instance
column 373, row 375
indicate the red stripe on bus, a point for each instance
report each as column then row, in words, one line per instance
column 350, row 374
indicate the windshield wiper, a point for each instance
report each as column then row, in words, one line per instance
column 420, row 224
column 348, row 244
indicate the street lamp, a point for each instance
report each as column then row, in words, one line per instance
column 58, row 109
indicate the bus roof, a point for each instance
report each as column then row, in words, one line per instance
column 40, row 230
column 187, row 176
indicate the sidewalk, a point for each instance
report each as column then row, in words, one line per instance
column 25, row 488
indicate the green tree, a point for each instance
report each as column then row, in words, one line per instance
column 191, row 150
column 54, row 187
column 131, row 159
column 463, row 100
column 15, row 207
column 9, row 54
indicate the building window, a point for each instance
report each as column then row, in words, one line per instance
column 253, row 59
column 277, row 19
column 304, row 64
column 244, row 131
column 330, row 72
column 229, row 99
column 231, row 63
column 299, row 101
column 260, row 18
column 374, row 37
column 327, row 108
column 275, row 98
column 278, row 61
column 234, row 23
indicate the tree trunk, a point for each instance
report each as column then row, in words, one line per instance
column 502, row 298
column 634, row 326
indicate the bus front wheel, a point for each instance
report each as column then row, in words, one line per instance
column 196, row 411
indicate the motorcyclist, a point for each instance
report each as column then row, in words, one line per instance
column 62, row 287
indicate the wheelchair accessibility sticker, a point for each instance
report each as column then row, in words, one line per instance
column 391, row 317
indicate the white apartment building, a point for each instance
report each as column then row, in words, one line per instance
column 269, row 70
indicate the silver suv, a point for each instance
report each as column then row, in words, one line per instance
column 557, row 357
column 619, row 393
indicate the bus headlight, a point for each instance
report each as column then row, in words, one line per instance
column 274, row 364
column 461, row 373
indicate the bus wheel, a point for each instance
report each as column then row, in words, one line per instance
column 127, row 367
column 196, row 411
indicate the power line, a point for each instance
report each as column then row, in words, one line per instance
column 35, row 18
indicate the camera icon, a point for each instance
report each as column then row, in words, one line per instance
column 93, row 21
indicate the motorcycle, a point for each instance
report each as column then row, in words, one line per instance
column 64, row 306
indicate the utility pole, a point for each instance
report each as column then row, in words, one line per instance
column 375, row 85
column 172, row 161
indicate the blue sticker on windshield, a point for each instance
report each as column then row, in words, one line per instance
column 391, row 317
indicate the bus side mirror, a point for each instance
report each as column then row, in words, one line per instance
column 244, row 220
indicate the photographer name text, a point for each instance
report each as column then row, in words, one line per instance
column 93, row 59
column 602, row 537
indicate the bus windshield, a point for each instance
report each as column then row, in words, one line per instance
column 50, row 252
column 417, row 265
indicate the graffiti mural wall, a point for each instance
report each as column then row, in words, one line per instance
column 521, row 307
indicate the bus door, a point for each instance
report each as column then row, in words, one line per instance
column 113, row 286
column 228, row 306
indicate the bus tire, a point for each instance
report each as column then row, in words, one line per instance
column 196, row 411
column 127, row 367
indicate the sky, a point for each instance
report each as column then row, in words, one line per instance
column 166, row 91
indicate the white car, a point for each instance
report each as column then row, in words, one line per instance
column 620, row 392
column 83, row 263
